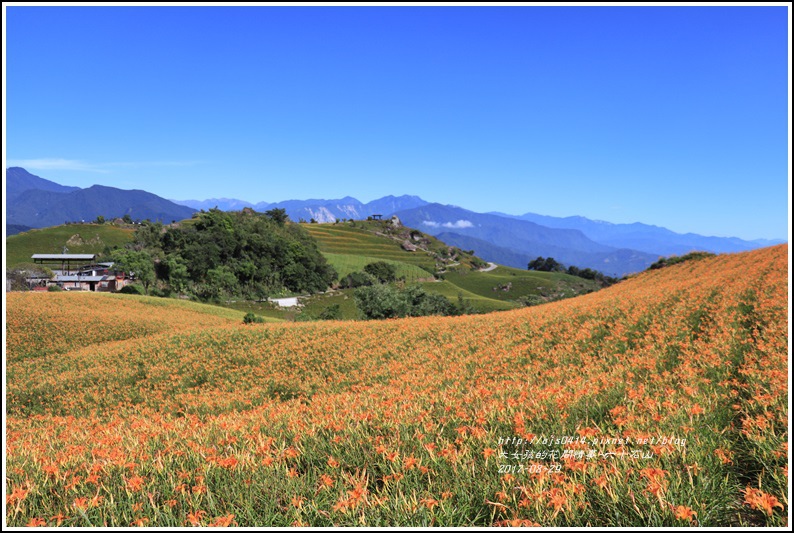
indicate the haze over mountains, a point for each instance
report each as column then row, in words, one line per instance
column 512, row 240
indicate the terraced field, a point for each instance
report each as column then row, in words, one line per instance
column 346, row 240
column 351, row 248
column 344, row 264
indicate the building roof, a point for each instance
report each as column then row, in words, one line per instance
column 82, row 278
column 64, row 257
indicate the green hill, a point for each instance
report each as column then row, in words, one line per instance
column 344, row 264
column 350, row 247
column 363, row 240
column 511, row 284
column 78, row 238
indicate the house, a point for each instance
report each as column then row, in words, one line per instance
column 78, row 272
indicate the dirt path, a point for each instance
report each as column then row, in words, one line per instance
column 490, row 267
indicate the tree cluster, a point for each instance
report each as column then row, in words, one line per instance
column 381, row 301
column 674, row 259
column 227, row 254
column 17, row 276
column 377, row 272
column 589, row 273
column 549, row 264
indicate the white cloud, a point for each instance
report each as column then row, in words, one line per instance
column 460, row 224
column 76, row 164
column 54, row 164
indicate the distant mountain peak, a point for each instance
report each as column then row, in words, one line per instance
column 36, row 202
column 19, row 180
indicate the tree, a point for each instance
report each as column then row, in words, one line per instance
column 277, row 215
column 220, row 281
column 127, row 218
column 251, row 318
column 19, row 275
column 423, row 303
column 545, row 265
column 380, row 301
column 535, row 264
column 237, row 253
column 137, row 263
column 148, row 235
column 386, row 301
column 99, row 219
column 357, row 279
column 178, row 277
column 382, row 271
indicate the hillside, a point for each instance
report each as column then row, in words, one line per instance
column 78, row 238
column 58, row 323
column 505, row 288
column 349, row 248
column 403, row 421
column 380, row 239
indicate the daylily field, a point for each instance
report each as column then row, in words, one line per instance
column 660, row 401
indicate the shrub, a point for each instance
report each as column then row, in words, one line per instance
column 131, row 289
column 384, row 301
column 332, row 312
column 382, row 271
column 380, row 301
column 357, row 279
column 54, row 288
column 251, row 318
column 674, row 259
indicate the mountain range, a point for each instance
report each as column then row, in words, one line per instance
column 512, row 240
column 34, row 202
column 645, row 237
column 320, row 210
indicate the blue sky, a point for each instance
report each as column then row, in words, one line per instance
column 674, row 116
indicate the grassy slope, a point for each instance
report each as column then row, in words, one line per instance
column 347, row 263
column 347, row 249
column 52, row 240
column 58, row 322
column 342, row 244
column 343, row 239
column 483, row 304
column 245, row 420
column 523, row 283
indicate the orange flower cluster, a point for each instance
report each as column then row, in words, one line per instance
column 137, row 411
